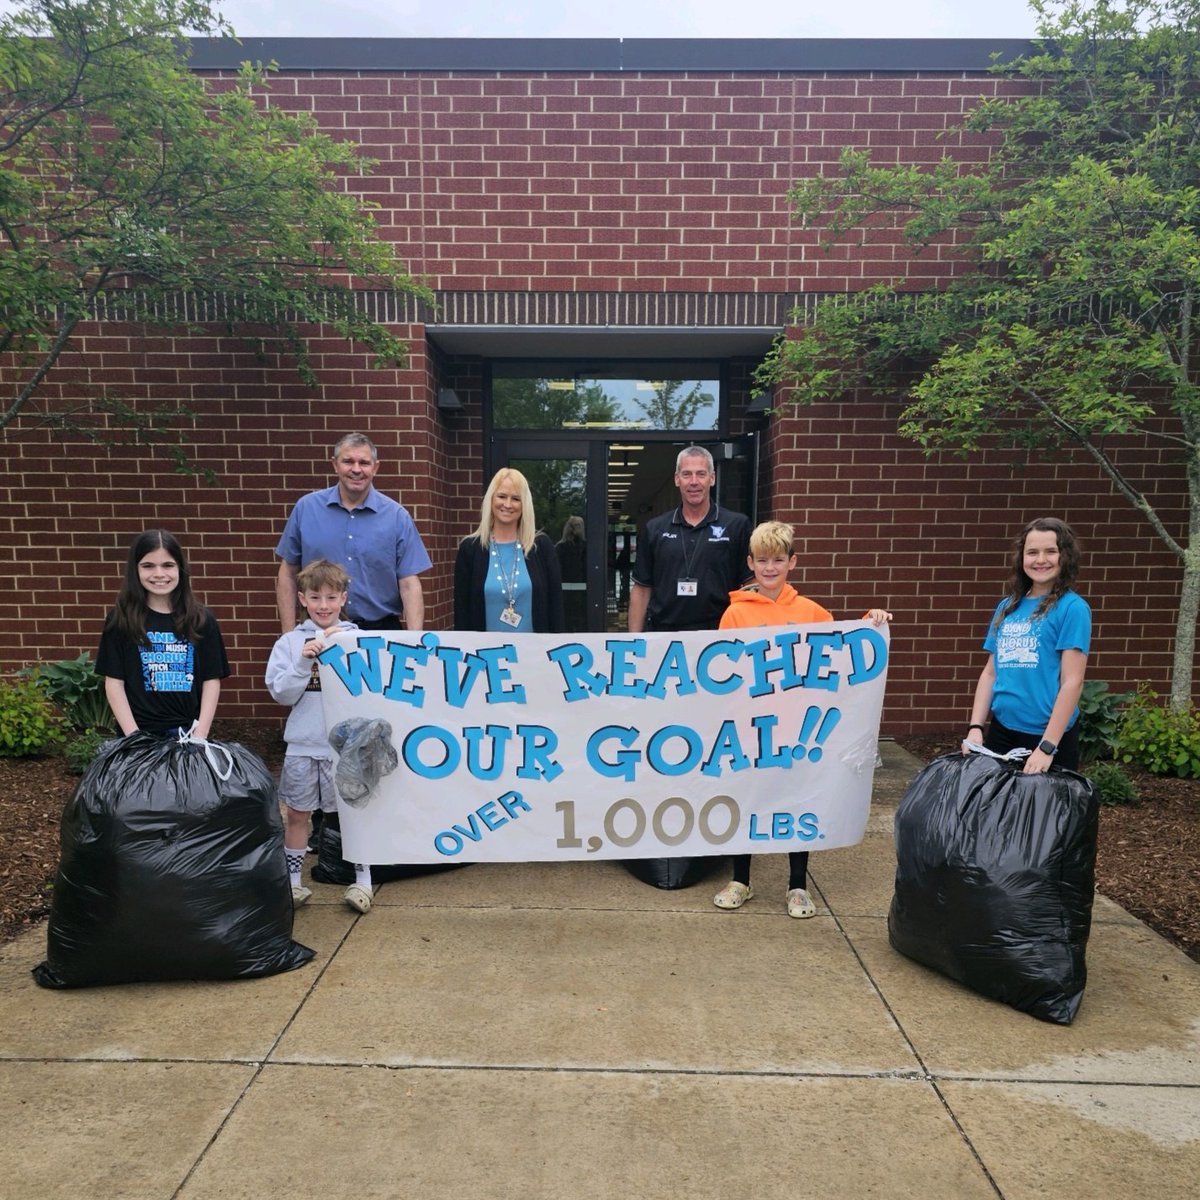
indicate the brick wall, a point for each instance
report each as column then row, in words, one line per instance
column 528, row 182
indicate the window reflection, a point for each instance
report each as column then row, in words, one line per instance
column 672, row 397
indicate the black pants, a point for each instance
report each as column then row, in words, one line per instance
column 396, row 622
column 797, row 869
column 1001, row 739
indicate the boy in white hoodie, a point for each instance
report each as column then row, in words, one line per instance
column 306, row 781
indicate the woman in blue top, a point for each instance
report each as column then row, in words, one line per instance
column 1037, row 648
column 506, row 575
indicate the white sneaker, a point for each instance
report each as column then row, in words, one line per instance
column 359, row 898
column 300, row 895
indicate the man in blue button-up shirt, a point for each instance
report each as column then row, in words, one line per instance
column 368, row 533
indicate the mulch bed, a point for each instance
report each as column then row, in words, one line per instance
column 1148, row 860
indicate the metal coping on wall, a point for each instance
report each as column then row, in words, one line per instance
column 751, row 55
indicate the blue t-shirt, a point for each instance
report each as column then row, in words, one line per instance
column 507, row 583
column 377, row 543
column 1028, row 657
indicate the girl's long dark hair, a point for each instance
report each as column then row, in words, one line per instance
column 128, row 616
column 1019, row 583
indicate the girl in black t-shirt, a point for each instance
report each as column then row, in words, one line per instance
column 161, row 652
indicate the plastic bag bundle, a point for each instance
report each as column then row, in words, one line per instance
column 365, row 755
column 995, row 875
column 168, row 870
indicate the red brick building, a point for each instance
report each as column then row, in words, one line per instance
column 606, row 228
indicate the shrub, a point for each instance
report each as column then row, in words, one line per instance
column 1112, row 785
column 78, row 691
column 1099, row 720
column 79, row 751
column 28, row 722
column 1159, row 739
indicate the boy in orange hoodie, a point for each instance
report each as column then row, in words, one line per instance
column 771, row 600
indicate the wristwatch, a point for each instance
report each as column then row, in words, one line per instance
column 1047, row 747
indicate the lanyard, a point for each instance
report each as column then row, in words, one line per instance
column 509, row 585
column 690, row 555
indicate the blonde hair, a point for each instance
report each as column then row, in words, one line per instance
column 321, row 573
column 773, row 537
column 527, row 529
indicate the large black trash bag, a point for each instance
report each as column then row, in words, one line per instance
column 995, row 874
column 672, row 873
column 331, row 867
column 167, row 871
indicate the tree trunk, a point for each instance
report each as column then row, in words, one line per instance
column 1185, row 631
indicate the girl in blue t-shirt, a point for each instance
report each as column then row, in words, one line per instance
column 1037, row 646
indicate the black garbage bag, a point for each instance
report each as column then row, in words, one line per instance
column 168, row 871
column 995, row 875
column 674, row 872
column 331, row 867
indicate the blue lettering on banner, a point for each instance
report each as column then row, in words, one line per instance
column 574, row 663
column 678, row 749
column 484, row 819
column 672, row 670
column 859, row 641
column 785, row 827
column 459, row 673
column 358, row 670
column 487, row 751
column 719, row 687
column 820, row 673
column 783, row 664
column 775, row 664
column 362, row 668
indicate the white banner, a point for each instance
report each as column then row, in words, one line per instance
column 477, row 747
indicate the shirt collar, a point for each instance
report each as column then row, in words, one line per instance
column 333, row 499
column 709, row 517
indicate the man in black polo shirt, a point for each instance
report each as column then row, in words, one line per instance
column 691, row 558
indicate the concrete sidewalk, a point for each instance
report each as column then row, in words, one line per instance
column 562, row 1030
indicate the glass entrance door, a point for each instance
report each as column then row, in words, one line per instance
column 592, row 495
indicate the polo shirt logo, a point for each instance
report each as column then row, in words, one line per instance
column 718, row 534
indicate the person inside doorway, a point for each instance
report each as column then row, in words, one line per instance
column 572, row 566
column 691, row 558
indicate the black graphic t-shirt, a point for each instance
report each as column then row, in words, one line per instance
column 163, row 680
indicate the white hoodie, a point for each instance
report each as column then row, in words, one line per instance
column 293, row 679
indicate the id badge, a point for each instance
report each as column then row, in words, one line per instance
column 511, row 617
column 685, row 587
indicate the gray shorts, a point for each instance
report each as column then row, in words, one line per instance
column 306, row 784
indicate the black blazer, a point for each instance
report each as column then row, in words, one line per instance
column 470, row 571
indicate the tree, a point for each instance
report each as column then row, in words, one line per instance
column 532, row 403
column 669, row 410
column 125, row 181
column 1072, row 318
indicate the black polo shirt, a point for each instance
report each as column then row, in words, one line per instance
column 712, row 553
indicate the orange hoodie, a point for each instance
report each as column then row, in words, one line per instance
column 748, row 608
